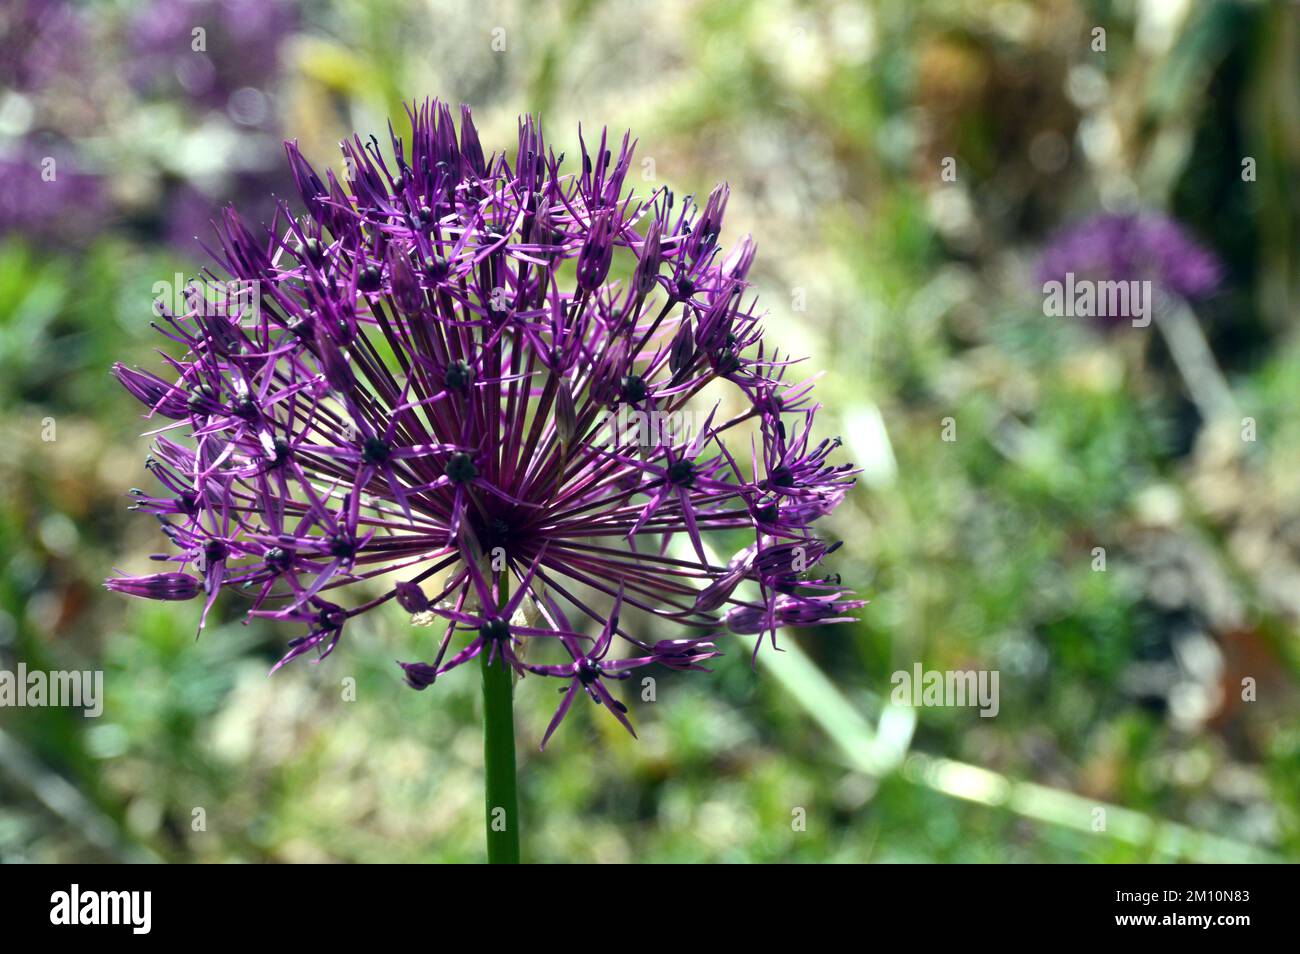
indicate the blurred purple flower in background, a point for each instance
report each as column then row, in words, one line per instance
column 46, row 198
column 40, row 42
column 1141, row 246
column 235, row 72
column 232, row 76
column 46, row 194
column 230, row 66
column 419, row 397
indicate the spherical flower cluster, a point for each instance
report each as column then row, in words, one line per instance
column 415, row 394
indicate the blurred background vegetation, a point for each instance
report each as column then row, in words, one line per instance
column 1120, row 689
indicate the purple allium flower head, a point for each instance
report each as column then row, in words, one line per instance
column 1145, row 246
column 424, row 406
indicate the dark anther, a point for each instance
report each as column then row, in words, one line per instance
column 201, row 396
column 331, row 617
column 727, row 362
column 460, row 467
column 781, row 477
column 495, row 630
column 436, row 269
column 278, row 559
column 681, row 473
column 215, row 551
column 633, row 388
column 369, row 279
column 685, row 288
column 458, row 376
column 245, row 408
column 376, row 451
column 342, row 546
column 314, row 252
column 588, row 671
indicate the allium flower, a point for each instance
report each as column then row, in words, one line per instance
column 1146, row 246
column 418, row 410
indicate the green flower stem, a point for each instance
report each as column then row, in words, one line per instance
column 501, row 797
